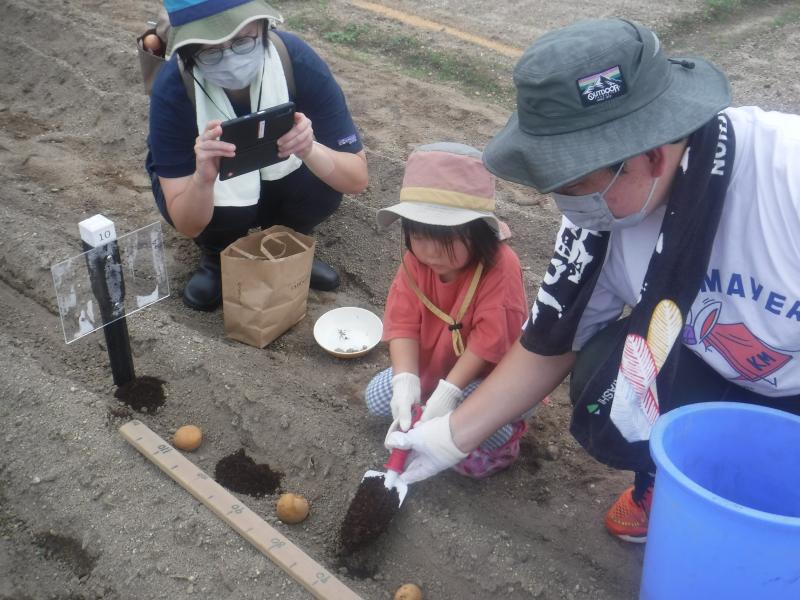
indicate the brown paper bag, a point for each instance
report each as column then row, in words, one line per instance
column 265, row 280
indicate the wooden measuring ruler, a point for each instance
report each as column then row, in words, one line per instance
column 227, row 507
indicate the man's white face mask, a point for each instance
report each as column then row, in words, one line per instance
column 590, row 211
column 235, row 71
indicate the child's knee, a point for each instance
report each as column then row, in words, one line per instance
column 489, row 458
column 373, row 406
column 377, row 399
column 378, row 395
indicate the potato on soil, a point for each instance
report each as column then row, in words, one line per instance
column 188, row 438
column 292, row 508
column 408, row 591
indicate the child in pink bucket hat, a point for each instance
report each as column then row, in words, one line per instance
column 457, row 302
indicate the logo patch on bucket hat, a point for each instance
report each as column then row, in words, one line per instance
column 602, row 86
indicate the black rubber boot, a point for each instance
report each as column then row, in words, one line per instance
column 323, row 277
column 204, row 289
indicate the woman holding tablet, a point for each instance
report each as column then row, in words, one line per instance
column 235, row 69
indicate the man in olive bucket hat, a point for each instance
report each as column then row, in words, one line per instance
column 236, row 70
column 674, row 206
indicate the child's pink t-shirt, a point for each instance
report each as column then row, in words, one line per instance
column 490, row 326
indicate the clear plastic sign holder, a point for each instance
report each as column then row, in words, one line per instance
column 112, row 279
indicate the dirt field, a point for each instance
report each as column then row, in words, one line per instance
column 84, row 516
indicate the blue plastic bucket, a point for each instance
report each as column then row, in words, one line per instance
column 725, row 519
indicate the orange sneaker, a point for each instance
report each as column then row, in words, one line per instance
column 627, row 519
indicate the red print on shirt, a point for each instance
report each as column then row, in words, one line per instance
column 744, row 352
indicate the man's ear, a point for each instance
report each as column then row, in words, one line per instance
column 665, row 158
column 657, row 160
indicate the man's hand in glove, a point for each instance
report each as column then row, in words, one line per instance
column 432, row 448
column 443, row 400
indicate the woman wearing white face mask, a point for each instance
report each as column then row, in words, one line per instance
column 235, row 64
column 237, row 70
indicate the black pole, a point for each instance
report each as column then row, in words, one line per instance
column 108, row 285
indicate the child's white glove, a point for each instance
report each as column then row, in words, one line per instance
column 443, row 399
column 405, row 394
column 432, row 448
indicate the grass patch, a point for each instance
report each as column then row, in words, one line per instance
column 349, row 37
column 724, row 5
column 790, row 16
column 720, row 9
column 473, row 74
column 721, row 12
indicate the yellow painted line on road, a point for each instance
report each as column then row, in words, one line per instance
column 421, row 23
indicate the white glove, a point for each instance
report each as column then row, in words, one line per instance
column 395, row 426
column 405, row 394
column 432, row 449
column 443, row 399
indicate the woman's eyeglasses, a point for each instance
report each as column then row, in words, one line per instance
column 240, row 45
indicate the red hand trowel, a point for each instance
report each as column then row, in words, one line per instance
column 397, row 464
column 377, row 499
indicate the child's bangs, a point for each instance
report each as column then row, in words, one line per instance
column 479, row 238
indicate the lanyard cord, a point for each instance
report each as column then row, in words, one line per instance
column 454, row 325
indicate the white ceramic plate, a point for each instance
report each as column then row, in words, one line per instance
column 348, row 332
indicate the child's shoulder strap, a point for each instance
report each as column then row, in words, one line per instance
column 187, row 78
column 286, row 61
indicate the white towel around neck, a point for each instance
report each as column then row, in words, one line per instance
column 245, row 190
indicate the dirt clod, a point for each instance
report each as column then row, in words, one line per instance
column 240, row 473
column 144, row 394
column 368, row 515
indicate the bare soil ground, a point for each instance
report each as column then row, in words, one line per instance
column 84, row 516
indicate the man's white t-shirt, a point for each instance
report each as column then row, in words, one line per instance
column 745, row 321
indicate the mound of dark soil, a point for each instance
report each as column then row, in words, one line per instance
column 240, row 473
column 144, row 394
column 368, row 515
